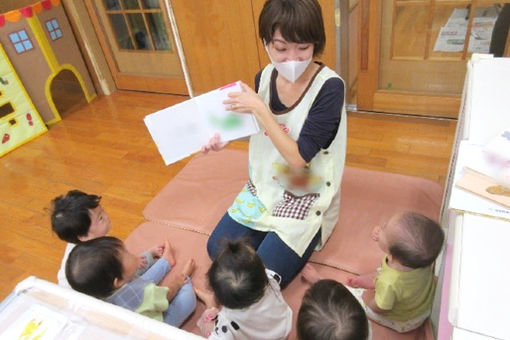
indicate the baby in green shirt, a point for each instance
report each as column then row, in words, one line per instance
column 400, row 293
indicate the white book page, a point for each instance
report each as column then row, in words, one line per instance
column 228, row 124
column 178, row 131
column 182, row 129
column 470, row 155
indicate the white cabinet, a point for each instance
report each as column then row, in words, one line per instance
column 474, row 287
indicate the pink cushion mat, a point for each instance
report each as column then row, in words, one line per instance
column 370, row 198
column 200, row 193
column 296, row 290
column 189, row 244
column 186, row 245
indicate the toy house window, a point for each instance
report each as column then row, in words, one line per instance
column 21, row 41
column 53, row 29
column 6, row 109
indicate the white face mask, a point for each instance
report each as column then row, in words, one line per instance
column 292, row 69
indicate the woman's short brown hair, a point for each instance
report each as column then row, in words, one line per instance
column 299, row 21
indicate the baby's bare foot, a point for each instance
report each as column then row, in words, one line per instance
column 188, row 267
column 157, row 251
column 168, row 253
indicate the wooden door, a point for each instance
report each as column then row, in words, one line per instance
column 408, row 63
column 219, row 41
column 136, row 37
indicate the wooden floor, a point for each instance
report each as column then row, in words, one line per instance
column 104, row 148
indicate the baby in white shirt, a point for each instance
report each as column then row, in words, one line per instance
column 252, row 306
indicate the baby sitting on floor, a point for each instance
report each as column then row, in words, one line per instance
column 252, row 306
column 400, row 294
column 77, row 217
column 103, row 268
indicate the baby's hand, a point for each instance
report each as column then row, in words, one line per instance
column 310, row 274
column 363, row 281
column 374, row 235
column 168, row 253
column 353, row 282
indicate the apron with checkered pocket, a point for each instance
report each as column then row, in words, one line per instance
column 294, row 206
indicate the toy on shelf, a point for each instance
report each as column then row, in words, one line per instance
column 39, row 42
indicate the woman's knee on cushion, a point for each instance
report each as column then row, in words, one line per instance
column 285, row 262
column 230, row 230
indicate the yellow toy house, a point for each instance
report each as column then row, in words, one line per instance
column 40, row 44
column 19, row 120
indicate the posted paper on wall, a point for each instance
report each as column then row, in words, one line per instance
column 182, row 129
column 452, row 36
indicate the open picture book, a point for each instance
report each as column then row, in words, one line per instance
column 182, row 129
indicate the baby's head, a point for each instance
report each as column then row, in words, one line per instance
column 237, row 276
column 410, row 238
column 330, row 312
column 77, row 217
column 99, row 266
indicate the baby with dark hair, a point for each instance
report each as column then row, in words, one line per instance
column 330, row 312
column 77, row 217
column 252, row 306
column 400, row 294
column 103, row 268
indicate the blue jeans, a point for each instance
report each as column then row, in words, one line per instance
column 274, row 253
column 183, row 303
column 181, row 306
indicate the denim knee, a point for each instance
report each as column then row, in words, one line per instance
column 212, row 247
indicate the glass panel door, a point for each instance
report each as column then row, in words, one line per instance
column 139, row 44
column 424, row 45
